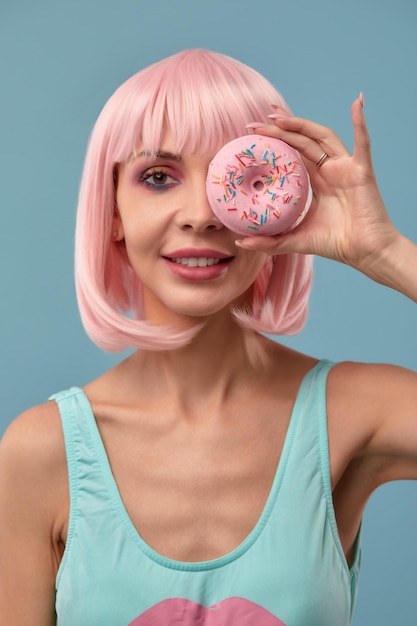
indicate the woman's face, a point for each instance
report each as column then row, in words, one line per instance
column 185, row 258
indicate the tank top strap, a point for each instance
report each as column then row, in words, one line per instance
column 307, row 429
column 308, row 424
column 309, row 453
column 89, row 488
column 82, row 440
column 308, row 437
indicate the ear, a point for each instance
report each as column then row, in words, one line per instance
column 117, row 232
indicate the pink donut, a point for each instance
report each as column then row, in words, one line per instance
column 258, row 185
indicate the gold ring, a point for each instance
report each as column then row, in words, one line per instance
column 322, row 159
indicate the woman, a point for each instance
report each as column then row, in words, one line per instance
column 214, row 476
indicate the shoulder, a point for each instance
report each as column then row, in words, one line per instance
column 373, row 388
column 372, row 414
column 37, row 430
column 32, row 451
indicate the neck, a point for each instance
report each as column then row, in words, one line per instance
column 220, row 359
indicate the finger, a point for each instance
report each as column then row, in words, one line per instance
column 325, row 137
column 268, row 245
column 274, row 245
column 309, row 148
column 362, row 143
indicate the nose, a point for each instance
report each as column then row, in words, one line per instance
column 196, row 212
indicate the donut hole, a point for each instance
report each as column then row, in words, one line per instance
column 258, row 185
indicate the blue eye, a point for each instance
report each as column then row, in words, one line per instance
column 158, row 179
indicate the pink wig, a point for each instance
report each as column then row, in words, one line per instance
column 206, row 99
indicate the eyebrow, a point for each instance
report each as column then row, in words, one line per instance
column 168, row 156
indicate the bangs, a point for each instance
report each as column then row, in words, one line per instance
column 204, row 100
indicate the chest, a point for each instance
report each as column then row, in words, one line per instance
column 193, row 493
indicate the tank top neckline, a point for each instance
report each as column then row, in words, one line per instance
column 251, row 538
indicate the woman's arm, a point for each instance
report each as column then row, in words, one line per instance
column 396, row 267
column 348, row 222
column 32, row 465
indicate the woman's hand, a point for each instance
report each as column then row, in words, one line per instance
column 347, row 220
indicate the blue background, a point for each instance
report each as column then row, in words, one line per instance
column 60, row 61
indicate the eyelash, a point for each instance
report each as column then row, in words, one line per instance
column 150, row 173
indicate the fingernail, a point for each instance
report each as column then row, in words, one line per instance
column 362, row 99
column 278, row 106
column 240, row 244
column 276, row 116
column 256, row 125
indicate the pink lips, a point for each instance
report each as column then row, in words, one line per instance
column 229, row 612
column 197, row 264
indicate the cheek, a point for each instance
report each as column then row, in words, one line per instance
column 139, row 210
column 138, row 248
column 142, row 231
column 252, row 265
column 145, row 228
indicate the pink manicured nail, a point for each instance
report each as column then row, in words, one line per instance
column 239, row 244
column 362, row 99
column 276, row 116
column 256, row 125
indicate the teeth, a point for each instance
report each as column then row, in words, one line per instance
column 196, row 261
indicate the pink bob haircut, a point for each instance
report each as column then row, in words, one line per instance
column 206, row 99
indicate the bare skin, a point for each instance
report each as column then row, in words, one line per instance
column 177, row 425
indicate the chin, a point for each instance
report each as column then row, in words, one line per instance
column 185, row 307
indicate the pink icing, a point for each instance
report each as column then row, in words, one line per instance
column 258, row 185
column 229, row 612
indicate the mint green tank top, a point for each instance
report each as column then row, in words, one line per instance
column 289, row 571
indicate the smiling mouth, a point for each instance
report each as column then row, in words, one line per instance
column 198, row 261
